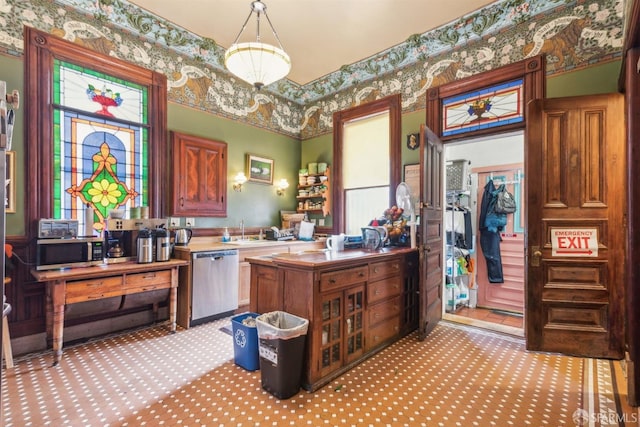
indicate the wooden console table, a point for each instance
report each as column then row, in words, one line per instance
column 111, row 280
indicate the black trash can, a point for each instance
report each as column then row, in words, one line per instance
column 245, row 341
column 281, row 341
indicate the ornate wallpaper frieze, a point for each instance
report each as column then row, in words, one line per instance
column 571, row 34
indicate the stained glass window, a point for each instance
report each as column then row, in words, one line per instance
column 100, row 144
column 489, row 107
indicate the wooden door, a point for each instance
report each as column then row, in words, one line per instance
column 508, row 295
column 576, row 169
column 431, row 229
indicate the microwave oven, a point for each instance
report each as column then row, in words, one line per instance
column 53, row 254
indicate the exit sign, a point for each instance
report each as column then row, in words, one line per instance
column 575, row 242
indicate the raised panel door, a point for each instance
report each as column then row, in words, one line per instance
column 199, row 176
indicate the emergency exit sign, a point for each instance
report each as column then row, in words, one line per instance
column 576, row 242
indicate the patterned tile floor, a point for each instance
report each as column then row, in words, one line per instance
column 458, row 376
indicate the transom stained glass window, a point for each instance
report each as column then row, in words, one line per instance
column 486, row 108
column 100, row 144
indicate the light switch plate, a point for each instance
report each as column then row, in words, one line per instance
column 190, row 222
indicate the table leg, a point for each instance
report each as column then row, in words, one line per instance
column 173, row 305
column 55, row 317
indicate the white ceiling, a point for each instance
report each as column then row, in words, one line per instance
column 320, row 36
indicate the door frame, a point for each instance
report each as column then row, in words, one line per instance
column 532, row 71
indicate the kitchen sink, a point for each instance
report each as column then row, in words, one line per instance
column 250, row 242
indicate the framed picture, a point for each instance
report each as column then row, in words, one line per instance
column 10, row 200
column 412, row 179
column 413, row 141
column 259, row 169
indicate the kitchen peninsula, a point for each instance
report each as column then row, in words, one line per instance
column 357, row 302
column 75, row 285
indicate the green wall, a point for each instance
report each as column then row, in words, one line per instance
column 12, row 73
column 594, row 80
column 258, row 205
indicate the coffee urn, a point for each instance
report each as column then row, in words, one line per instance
column 163, row 245
column 145, row 246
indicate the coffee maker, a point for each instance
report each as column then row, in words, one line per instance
column 121, row 237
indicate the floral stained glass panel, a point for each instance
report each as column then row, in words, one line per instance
column 86, row 90
column 489, row 107
column 100, row 153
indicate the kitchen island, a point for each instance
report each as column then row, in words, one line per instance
column 357, row 302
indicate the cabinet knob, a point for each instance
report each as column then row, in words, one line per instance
column 332, row 281
column 375, row 269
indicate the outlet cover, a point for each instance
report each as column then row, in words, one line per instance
column 190, row 222
column 173, row 222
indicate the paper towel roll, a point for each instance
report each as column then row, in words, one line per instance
column 88, row 221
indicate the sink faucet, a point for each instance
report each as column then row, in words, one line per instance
column 242, row 228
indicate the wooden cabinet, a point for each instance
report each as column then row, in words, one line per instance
column 342, row 328
column 383, row 299
column 354, row 302
column 105, row 287
column 266, row 289
column 199, row 176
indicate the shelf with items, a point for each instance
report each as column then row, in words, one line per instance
column 313, row 193
column 459, row 247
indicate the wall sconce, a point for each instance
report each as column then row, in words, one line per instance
column 238, row 181
column 283, row 184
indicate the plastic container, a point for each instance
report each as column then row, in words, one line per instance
column 245, row 342
column 225, row 236
column 281, row 343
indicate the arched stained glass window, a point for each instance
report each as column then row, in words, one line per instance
column 100, row 145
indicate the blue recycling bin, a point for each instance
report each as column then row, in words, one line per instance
column 245, row 341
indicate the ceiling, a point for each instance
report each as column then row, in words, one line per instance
column 320, row 36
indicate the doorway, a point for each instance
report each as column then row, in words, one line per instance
column 469, row 296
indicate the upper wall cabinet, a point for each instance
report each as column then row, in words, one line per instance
column 199, row 176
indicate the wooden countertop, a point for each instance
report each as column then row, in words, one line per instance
column 324, row 258
column 104, row 269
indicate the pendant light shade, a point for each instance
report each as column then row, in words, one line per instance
column 257, row 63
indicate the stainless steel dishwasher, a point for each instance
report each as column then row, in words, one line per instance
column 214, row 285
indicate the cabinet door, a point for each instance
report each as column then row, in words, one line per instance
column 332, row 336
column 199, row 176
column 354, row 323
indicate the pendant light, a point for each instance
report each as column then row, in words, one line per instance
column 257, row 63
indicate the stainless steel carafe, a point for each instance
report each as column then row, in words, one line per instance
column 163, row 245
column 144, row 246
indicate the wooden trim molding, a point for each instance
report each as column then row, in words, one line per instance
column 632, row 298
column 392, row 104
column 40, row 50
